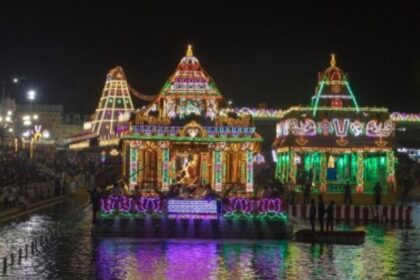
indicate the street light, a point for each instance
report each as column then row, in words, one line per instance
column 15, row 80
column 31, row 95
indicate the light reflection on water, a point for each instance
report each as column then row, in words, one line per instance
column 388, row 253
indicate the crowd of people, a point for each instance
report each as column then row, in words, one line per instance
column 24, row 181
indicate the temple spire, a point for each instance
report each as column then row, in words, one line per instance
column 332, row 61
column 189, row 51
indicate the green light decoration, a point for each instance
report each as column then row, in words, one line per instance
column 218, row 170
column 352, row 95
column 279, row 168
column 360, row 171
column 133, row 166
column 323, row 172
column 333, row 77
column 249, row 171
column 165, row 169
column 249, row 216
column 390, row 170
column 293, row 168
column 315, row 106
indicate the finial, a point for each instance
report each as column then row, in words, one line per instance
column 332, row 61
column 189, row 51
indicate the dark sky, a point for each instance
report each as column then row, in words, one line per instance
column 264, row 51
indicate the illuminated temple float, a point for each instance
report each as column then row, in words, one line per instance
column 181, row 139
column 335, row 141
column 189, row 162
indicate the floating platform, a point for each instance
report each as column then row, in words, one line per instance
column 362, row 213
column 331, row 237
column 154, row 217
column 211, row 228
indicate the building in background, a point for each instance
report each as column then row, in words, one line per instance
column 7, row 120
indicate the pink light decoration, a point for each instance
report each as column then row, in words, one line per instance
column 257, row 206
column 269, row 205
column 114, row 203
column 124, row 203
column 108, row 204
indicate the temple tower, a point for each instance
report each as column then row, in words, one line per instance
column 115, row 101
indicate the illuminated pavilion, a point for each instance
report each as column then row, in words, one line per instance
column 335, row 141
column 180, row 137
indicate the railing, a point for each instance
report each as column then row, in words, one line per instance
column 22, row 253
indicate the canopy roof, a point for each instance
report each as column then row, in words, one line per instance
column 333, row 89
column 190, row 80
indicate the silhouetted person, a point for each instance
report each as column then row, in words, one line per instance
column 330, row 216
column 377, row 189
column 312, row 214
column 95, row 198
column 347, row 194
column 307, row 192
column 321, row 213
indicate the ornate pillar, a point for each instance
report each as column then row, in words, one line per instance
column 292, row 170
column 204, row 168
column 217, row 165
column 133, row 166
column 165, row 166
column 323, row 164
column 249, row 171
column 390, row 169
column 124, row 159
column 360, row 171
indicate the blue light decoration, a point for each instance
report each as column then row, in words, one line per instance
column 192, row 206
column 259, row 159
column 103, row 156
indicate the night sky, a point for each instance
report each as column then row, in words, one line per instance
column 265, row 51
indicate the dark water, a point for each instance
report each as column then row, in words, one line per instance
column 388, row 253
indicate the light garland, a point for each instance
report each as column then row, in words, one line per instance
column 339, row 127
column 212, row 131
column 190, row 139
column 80, row 145
column 109, row 142
column 405, row 117
column 277, row 114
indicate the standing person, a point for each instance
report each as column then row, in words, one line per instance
column 321, row 212
column 347, row 194
column 377, row 189
column 307, row 192
column 330, row 216
column 312, row 214
column 95, row 199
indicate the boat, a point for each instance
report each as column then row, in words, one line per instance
column 330, row 237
